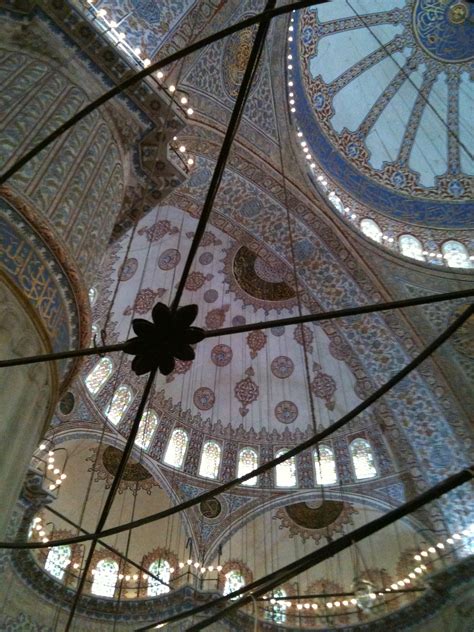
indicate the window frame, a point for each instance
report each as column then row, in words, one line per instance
column 365, row 478
column 280, row 452
column 183, row 460
column 201, row 460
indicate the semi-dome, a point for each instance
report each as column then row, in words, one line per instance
column 382, row 94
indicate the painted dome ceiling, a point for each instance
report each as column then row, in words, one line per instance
column 383, row 97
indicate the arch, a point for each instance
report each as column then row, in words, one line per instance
column 105, row 578
column 371, row 229
column 99, row 375
column 162, row 569
column 456, row 254
column 285, row 473
column 325, row 466
column 411, row 246
column 176, row 449
column 247, row 461
column 146, row 430
column 120, row 402
column 234, row 580
column 59, row 557
column 277, row 614
column 210, row 459
column 363, row 460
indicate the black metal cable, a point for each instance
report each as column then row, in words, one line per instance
column 121, row 87
column 393, row 381
column 294, row 320
column 268, row 582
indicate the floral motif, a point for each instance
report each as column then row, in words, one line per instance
column 206, row 258
column 323, row 386
column 282, row 367
column 221, row 355
column 144, row 301
column 158, row 230
column 196, row 280
column 204, row 398
column 315, row 520
column 304, row 337
column 208, row 239
column 105, row 461
column 246, row 391
column 181, row 367
column 169, row 259
column 216, row 317
column 256, row 340
column 286, row 412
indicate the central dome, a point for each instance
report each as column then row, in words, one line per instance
column 383, row 94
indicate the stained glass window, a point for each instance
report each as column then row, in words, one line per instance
column 58, row 559
column 248, row 461
column 119, row 404
column 147, row 428
column 161, row 569
column 99, row 375
column 105, row 578
column 410, row 246
column 325, row 466
column 456, row 254
column 371, row 229
column 336, row 201
column 210, row 459
column 363, row 459
column 233, row 581
column 278, row 612
column 176, row 449
column 286, row 471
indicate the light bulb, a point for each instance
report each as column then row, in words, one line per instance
column 56, row 470
column 401, row 583
column 181, row 565
column 182, row 148
column 345, row 602
column 113, row 24
column 137, row 51
column 440, row 545
column 160, row 74
column 307, row 606
column 354, row 602
column 51, row 486
column 101, row 12
column 63, row 477
column 51, row 459
column 190, row 161
column 314, row 606
column 42, row 446
column 417, row 558
column 171, row 570
column 394, row 586
column 172, row 88
column 184, row 100
column 219, row 568
column 135, row 577
column 412, row 575
column 45, row 540
column 273, row 601
column 299, row 606
column 36, row 519
column 75, row 565
column 196, row 564
column 329, row 604
column 424, row 554
column 432, row 549
column 211, row 568
column 38, row 527
column 58, row 481
column 50, row 466
column 120, row 576
column 190, row 111
column 337, row 604
column 189, row 562
column 127, row 578
column 146, row 62
column 456, row 536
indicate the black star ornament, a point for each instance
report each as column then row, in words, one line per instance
column 169, row 336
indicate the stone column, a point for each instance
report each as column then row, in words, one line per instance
column 27, row 395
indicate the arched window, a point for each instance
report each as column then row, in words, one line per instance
column 148, row 425
column 94, row 334
column 99, row 375
column 119, row 404
column 278, row 612
column 371, row 229
column 161, row 569
column 325, row 466
column 456, row 254
column 233, row 581
column 336, row 201
column 410, row 246
column 363, row 459
column 210, row 459
column 58, row 559
column 176, row 449
column 248, row 461
column 105, row 578
column 92, row 296
column 286, row 471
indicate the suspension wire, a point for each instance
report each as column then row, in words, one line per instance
column 213, row 333
column 119, row 88
column 111, row 496
column 232, row 127
column 393, row 381
column 268, row 582
column 407, row 76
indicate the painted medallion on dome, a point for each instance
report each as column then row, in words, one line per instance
column 221, row 355
column 315, row 519
column 286, row 412
column 282, row 367
column 204, row 398
column 169, row 259
column 128, row 269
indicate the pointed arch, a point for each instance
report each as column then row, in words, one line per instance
column 456, row 254
column 99, row 375
column 247, row 461
column 146, row 430
column 411, row 246
column 325, row 466
column 277, row 614
column 210, row 459
column 162, row 569
column 120, row 402
column 176, row 450
column 234, row 580
column 363, row 460
column 371, row 229
column 285, row 473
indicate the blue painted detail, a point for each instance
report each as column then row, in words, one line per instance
column 445, row 30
